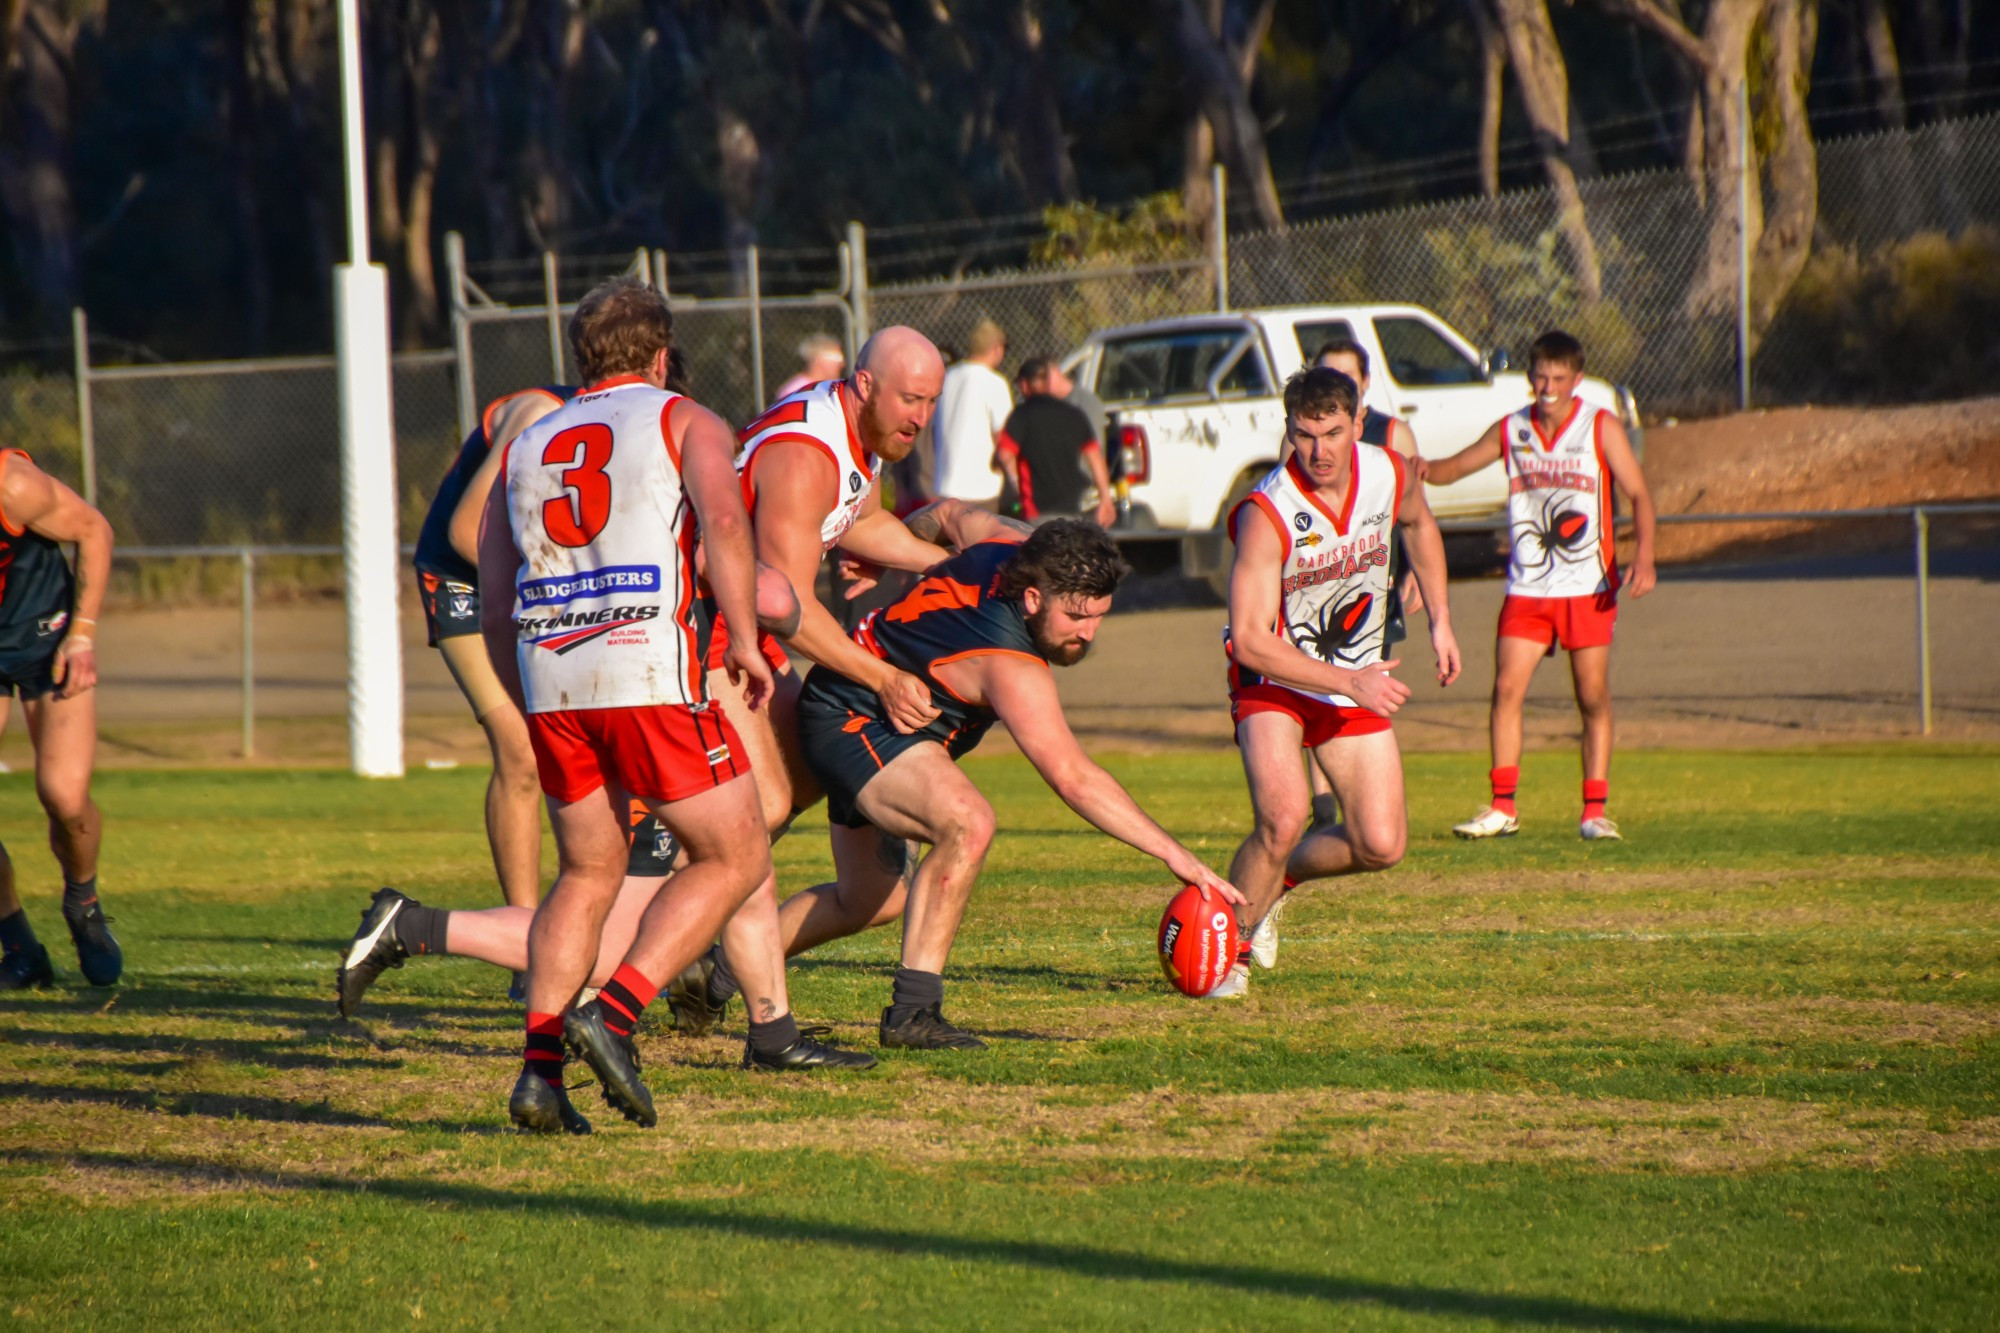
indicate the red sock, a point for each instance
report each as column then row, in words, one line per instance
column 1290, row 884
column 1596, row 791
column 625, row 997
column 544, row 1052
column 1506, row 781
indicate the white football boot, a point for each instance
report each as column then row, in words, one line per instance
column 1234, row 986
column 1489, row 823
column 1264, row 939
column 1592, row 830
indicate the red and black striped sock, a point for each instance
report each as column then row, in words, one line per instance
column 624, row 998
column 544, row 1054
column 1596, row 791
column 1506, row 781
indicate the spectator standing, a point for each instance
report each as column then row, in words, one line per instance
column 971, row 413
column 821, row 357
column 1047, row 445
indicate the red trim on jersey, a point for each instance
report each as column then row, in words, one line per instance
column 667, row 431
column 1305, row 485
column 1396, row 459
column 5, row 522
column 1535, row 419
column 1270, row 511
column 615, row 382
column 697, row 669
column 853, row 436
column 1607, row 531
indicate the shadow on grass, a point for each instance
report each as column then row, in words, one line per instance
column 231, row 1106
column 1079, row 1261
column 270, row 1054
column 195, row 1001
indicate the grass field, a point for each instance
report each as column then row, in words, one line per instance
column 1740, row 1072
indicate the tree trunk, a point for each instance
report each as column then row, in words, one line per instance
column 1492, row 83
column 1792, row 27
column 36, row 124
column 1225, row 100
column 1544, row 83
column 243, row 121
column 1052, row 172
column 1728, row 152
column 1879, row 42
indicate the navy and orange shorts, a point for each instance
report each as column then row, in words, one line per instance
column 1319, row 720
column 658, row 752
column 1573, row 622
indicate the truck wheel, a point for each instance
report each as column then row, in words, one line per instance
column 1239, row 491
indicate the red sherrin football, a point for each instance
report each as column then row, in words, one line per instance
column 1197, row 942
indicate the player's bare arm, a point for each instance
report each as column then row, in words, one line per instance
column 1023, row 694
column 1426, row 547
column 1481, row 452
column 1625, row 471
column 708, row 469
column 32, row 499
column 793, row 499
column 1254, row 590
column 955, row 524
column 878, row 541
column 499, row 565
column 513, row 416
column 1100, row 476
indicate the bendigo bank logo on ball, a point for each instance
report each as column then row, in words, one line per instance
column 1197, row 942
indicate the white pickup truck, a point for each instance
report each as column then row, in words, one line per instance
column 1196, row 418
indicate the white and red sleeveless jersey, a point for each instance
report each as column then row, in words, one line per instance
column 1558, row 505
column 815, row 415
column 1335, row 570
column 604, row 600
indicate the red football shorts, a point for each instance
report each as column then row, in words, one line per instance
column 1574, row 622
column 1320, row 720
column 660, row 752
column 718, row 641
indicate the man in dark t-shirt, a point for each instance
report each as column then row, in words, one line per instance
column 1046, row 445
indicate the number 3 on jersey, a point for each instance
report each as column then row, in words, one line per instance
column 582, row 453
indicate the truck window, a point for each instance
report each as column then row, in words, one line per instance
column 1418, row 356
column 1318, row 333
column 1168, row 365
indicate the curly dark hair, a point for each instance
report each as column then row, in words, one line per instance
column 1065, row 558
column 1317, row 392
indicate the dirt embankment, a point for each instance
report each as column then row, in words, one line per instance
column 1823, row 458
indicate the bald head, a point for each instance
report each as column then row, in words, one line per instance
column 897, row 378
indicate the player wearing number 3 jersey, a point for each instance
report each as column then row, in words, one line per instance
column 1308, row 610
column 1562, row 456
column 593, row 528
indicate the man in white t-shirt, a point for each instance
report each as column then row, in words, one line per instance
column 971, row 412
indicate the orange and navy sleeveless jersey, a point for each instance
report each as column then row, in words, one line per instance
column 1558, row 505
column 1335, row 575
column 954, row 612
column 435, row 553
column 604, row 600
column 36, row 589
column 816, row 416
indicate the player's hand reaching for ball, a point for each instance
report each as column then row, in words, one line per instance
column 75, row 668
column 1190, row 871
column 1376, row 690
column 746, row 667
column 908, row 701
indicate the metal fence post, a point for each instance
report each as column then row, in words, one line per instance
column 1922, row 522
column 86, row 427
column 554, row 299
column 248, row 559
column 1744, row 167
column 756, row 329
column 642, row 264
column 660, row 268
column 461, row 334
column 1218, row 241
column 857, row 281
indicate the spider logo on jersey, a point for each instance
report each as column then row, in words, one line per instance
column 1337, row 628
column 1550, row 535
